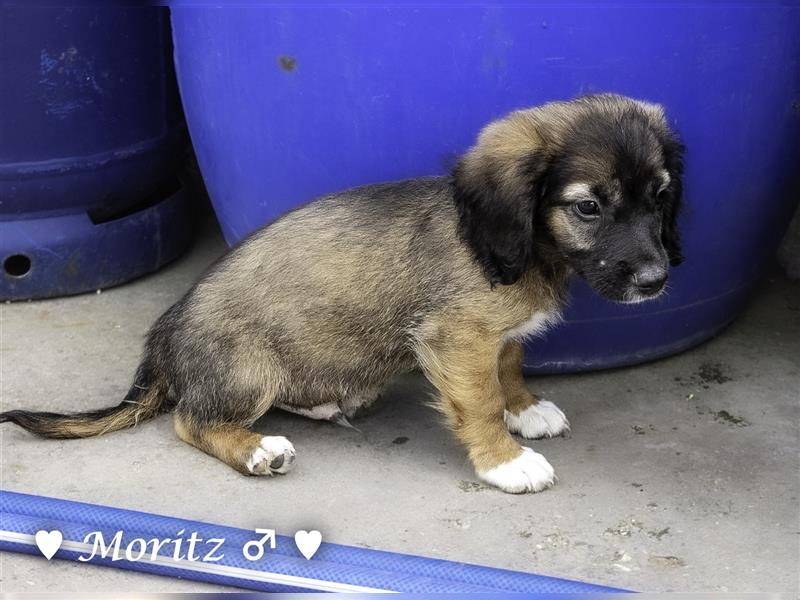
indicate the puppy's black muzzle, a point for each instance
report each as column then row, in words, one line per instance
column 650, row 279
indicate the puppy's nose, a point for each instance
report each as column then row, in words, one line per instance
column 650, row 279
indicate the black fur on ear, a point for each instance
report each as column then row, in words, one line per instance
column 673, row 203
column 496, row 201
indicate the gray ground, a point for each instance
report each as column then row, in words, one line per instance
column 678, row 475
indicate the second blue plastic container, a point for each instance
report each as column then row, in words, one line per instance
column 284, row 104
column 91, row 144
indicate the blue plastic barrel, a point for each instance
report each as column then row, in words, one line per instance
column 287, row 103
column 91, row 139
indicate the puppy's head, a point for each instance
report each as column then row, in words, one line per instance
column 595, row 183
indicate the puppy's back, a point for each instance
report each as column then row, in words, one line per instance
column 349, row 275
column 363, row 241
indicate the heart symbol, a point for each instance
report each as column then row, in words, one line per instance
column 48, row 542
column 308, row 542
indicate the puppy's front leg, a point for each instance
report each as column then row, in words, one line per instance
column 464, row 368
column 525, row 414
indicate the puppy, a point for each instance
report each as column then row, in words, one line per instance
column 315, row 312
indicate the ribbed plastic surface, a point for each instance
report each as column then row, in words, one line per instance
column 333, row 563
column 91, row 141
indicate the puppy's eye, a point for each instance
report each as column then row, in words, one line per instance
column 587, row 208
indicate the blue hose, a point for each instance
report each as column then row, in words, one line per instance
column 282, row 569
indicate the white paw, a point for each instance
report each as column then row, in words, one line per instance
column 540, row 420
column 275, row 454
column 529, row 472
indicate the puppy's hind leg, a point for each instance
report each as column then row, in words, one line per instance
column 526, row 414
column 246, row 451
column 216, row 418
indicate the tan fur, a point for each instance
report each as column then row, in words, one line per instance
column 231, row 444
column 463, row 367
column 564, row 230
column 476, row 371
column 516, row 393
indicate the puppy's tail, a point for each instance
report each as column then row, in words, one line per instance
column 145, row 400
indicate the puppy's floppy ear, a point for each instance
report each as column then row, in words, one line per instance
column 673, row 162
column 496, row 186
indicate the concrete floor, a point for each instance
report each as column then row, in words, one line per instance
column 678, row 475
